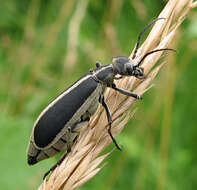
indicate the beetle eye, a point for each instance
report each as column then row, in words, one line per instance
column 139, row 72
column 129, row 69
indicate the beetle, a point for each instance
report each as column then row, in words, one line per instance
column 58, row 125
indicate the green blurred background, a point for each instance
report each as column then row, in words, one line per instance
column 46, row 45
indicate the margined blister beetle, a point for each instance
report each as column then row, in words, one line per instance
column 58, row 125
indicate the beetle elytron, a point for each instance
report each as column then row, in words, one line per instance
column 59, row 123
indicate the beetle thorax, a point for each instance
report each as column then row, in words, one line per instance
column 105, row 75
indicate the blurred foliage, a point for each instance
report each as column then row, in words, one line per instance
column 46, row 45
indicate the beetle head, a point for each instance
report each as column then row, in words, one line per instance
column 127, row 67
column 138, row 72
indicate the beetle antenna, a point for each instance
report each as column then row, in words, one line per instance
column 140, row 35
column 150, row 52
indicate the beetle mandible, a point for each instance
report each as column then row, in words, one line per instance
column 59, row 123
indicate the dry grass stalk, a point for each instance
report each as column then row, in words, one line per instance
column 83, row 161
column 73, row 33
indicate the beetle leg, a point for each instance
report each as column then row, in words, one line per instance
column 125, row 92
column 73, row 129
column 98, row 64
column 57, row 164
column 118, row 78
column 102, row 101
column 77, row 126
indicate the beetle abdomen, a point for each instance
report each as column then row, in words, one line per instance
column 57, row 114
column 35, row 155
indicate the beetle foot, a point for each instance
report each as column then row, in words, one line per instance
column 138, row 97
